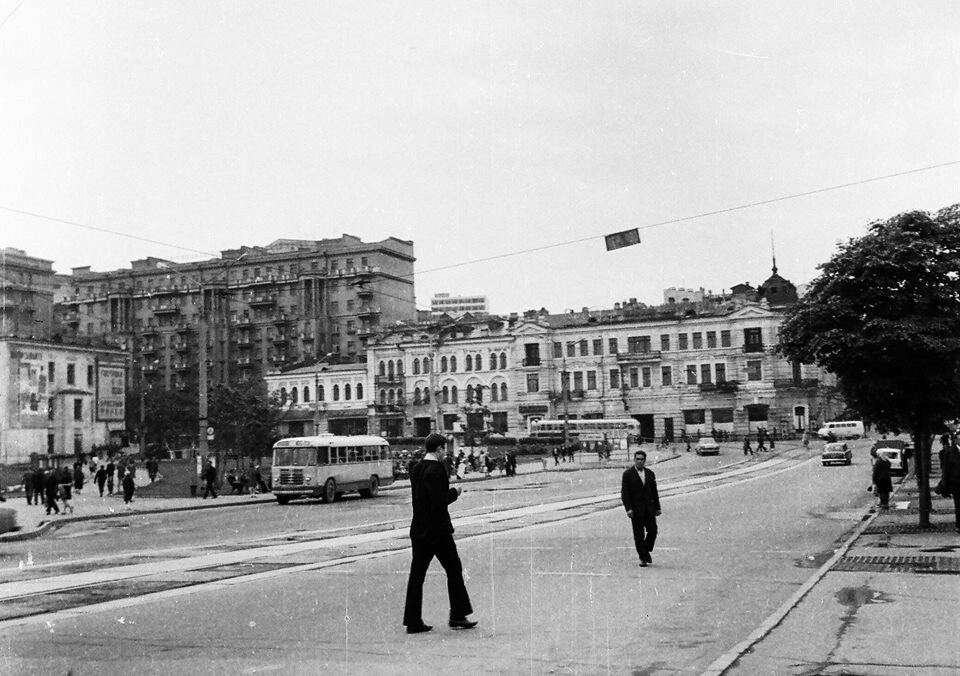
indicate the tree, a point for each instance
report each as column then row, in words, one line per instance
column 245, row 418
column 884, row 316
column 167, row 414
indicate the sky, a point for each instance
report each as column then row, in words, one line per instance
column 503, row 138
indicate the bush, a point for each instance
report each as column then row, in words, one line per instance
column 496, row 440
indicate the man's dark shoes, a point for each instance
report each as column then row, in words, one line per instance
column 462, row 623
column 643, row 564
column 648, row 559
column 418, row 628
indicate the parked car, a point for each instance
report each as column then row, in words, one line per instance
column 836, row 453
column 897, row 452
column 707, row 446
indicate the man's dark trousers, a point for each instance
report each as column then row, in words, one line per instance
column 445, row 549
column 644, row 534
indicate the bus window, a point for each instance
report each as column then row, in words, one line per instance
column 323, row 456
column 353, row 454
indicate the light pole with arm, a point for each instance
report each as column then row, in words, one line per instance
column 316, row 391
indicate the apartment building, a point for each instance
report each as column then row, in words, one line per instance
column 256, row 309
column 26, row 294
column 444, row 303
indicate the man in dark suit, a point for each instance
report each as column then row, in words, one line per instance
column 431, row 535
column 642, row 502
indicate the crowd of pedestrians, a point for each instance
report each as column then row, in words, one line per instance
column 54, row 487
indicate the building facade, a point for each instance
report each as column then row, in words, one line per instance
column 26, row 294
column 59, row 399
column 444, row 303
column 320, row 398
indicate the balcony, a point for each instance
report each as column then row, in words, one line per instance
column 262, row 301
column 728, row 386
column 394, row 380
column 306, row 337
column 166, row 309
column 753, row 347
column 365, row 332
column 367, row 311
column 244, row 361
column 708, row 387
column 181, row 345
column 182, row 387
column 183, row 327
column 242, row 321
column 791, row 383
column 244, row 340
column 279, row 360
column 531, row 361
column 150, row 369
column 281, row 318
column 181, row 366
column 280, row 339
column 148, row 348
column 634, row 357
column 149, row 331
column 365, row 293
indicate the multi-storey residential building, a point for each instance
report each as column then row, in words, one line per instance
column 26, row 294
column 58, row 399
column 444, row 303
column 260, row 308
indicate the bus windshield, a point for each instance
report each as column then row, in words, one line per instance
column 294, row 457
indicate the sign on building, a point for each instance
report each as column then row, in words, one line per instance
column 111, row 391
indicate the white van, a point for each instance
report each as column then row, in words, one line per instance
column 842, row 429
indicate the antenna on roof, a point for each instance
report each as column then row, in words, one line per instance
column 773, row 251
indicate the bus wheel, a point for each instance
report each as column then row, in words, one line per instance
column 283, row 499
column 329, row 491
column 372, row 490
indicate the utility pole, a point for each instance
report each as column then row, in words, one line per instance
column 316, row 394
column 564, row 389
column 202, row 446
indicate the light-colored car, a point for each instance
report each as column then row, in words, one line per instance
column 707, row 446
column 897, row 452
column 836, row 453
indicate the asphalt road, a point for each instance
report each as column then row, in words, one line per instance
column 556, row 589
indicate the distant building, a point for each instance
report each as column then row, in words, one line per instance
column 26, row 294
column 444, row 303
column 674, row 295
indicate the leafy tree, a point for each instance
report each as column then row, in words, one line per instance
column 167, row 414
column 245, row 418
column 884, row 316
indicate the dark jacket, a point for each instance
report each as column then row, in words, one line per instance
column 642, row 498
column 431, row 491
column 951, row 465
column 881, row 475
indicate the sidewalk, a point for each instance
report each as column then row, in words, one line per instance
column 888, row 602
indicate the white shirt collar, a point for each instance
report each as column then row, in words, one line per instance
column 431, row 456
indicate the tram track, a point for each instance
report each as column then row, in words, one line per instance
column 87, row 586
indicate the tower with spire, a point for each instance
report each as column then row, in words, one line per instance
column 777, row 291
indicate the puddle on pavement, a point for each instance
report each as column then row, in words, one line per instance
column 854, row 598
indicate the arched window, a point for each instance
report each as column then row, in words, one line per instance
column 426, row 395
column 453, row 364
column 453, row 395
column 479, row 392
column 445, row 395
column 399, row 367
column 319, row 392
column 336, row 393
column 416, row 367
column 294, row 395
column 443, row 364
column 346, row 391
column 416, row 396
column 390, row 369
column 469, row 364
column 383, row 369
column 469, row 390
column 283, row 396
column 494, row 392
column 359, row 390
column 383, row 396
column 426, row 364
column 503, row 360
column 503, row 391
column 493, row 362
column 390, row 396
column 306, row 394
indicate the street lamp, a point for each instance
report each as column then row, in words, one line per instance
column 316, row 391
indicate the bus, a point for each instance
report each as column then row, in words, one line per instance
column 588, row 429
column 327, row 466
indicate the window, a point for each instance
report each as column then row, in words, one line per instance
column 598, row 346
column 754, row 370
column 346, row 391
column 78, row 442
column 494, row 393
column 666, row 376
column 382, row 369
column 612, row 345
column 711, row 338
column 453, row 364
column 445, row 395
column 721, row 371
column 503, row 392
column 691, row 374
column 533, row 382
column 449, row 419
column 90, row 375
column 614, row 379
column 306, row 395
column 682, row 341
column 454, row 398
column 584, row 352
column 634, row 377
column 721, row 415
column 51, row 372
column 645, row 375
column 319, row 392
column 443, row 364
column 78, row 409
column 571, row 349
column 493, row 360
column 638, row 344
column 416, row 366
column 705, row 373
column 578, row 380
column 724, row 339
column 478, row 362
column 426, row 364
column 694, row 416
column 664, row 341
column 336, row 393
column 697, row 341
column 359, row 391
column 503, row 360
column 71, row 374
column 752, row 340
column 531, row 355
column 468, row 365
column 499, row 421
column 469, row 394
column 294, row 395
